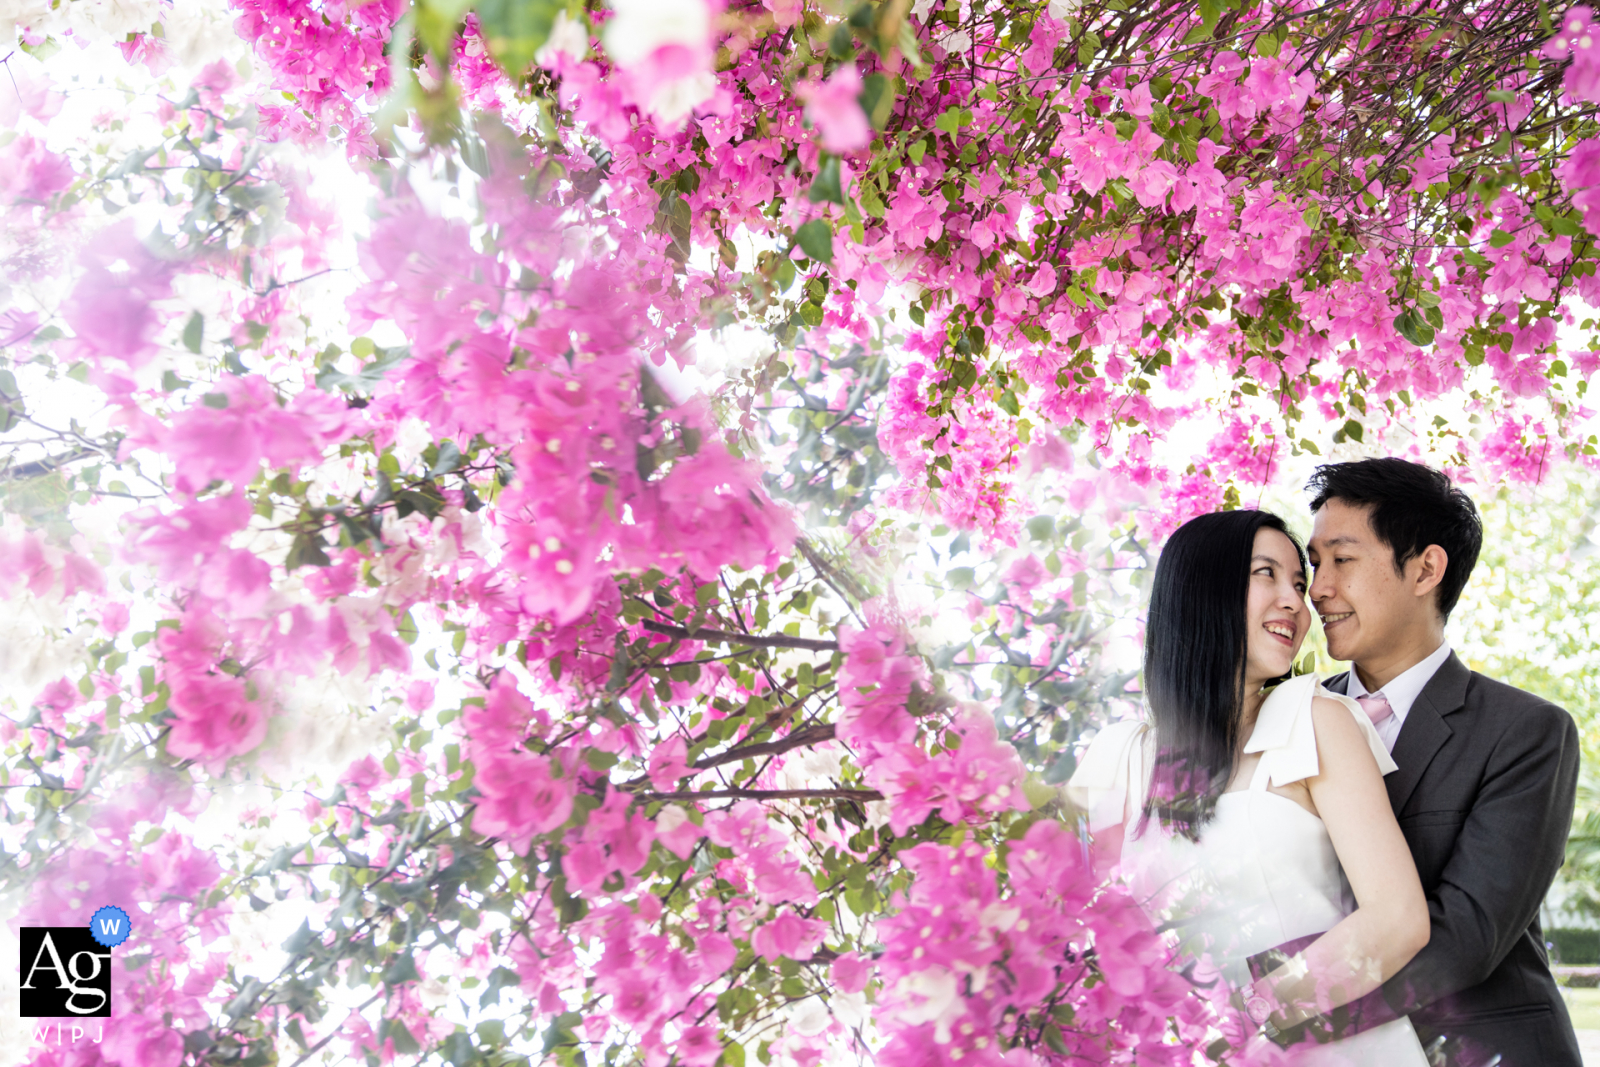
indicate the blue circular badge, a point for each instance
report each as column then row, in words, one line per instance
column 110, row 926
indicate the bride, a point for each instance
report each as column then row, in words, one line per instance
column 1246, row 817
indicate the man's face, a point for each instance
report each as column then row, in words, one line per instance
column 1366, row 606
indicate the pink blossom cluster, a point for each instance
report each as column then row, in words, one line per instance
column 973, row 963
column 976, row 777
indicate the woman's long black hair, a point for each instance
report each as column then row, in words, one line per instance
column 1194, row 659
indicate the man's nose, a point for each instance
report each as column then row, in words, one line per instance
column 1321, row 585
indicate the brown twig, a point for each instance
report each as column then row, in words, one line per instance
column 757, row 640
column 862, row 795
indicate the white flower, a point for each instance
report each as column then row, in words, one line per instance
column 197, row 33
column 956, row 41
column 115, row 19
column 672, row 102
column 33, row 650
column 930, row 996
column 670, row 818
column 642, row 26
column 849, row 1008
column 568, row 36
column 410, row 439
column 810, row 1018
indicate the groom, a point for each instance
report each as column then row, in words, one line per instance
column 1487, row 773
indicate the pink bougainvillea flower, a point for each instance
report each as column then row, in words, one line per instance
column 213, row 717
column 665, row 46
column 668, row 764
column 785, row 13
column 833, row 107
column 1576, row 36
column 110, row 309
column 521, row 797
column 789, row 935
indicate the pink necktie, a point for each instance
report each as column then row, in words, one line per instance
column 1377, row 708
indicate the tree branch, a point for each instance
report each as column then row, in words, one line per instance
column 862, row 795
column 759, row 641
column 810, row 735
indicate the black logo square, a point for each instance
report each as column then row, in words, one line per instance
column 65, row 971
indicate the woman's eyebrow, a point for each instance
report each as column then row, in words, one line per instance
column 1258, row 558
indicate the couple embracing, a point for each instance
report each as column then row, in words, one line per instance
column 1363, row 858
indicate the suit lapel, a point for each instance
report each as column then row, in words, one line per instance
column 1425, row 730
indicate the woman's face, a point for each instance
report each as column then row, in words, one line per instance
column 1276, row 616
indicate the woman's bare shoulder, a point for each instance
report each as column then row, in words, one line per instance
column 1340, row 740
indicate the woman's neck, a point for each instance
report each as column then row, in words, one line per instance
column 1254, row 697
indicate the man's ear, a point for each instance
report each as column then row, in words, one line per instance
column 1427, row 570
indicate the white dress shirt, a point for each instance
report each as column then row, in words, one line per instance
column 1402, row 691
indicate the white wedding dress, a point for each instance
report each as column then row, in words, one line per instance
column 1264, row 870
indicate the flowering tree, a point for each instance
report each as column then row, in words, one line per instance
column 626, row 594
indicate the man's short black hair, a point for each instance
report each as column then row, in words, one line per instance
column 1413, row 506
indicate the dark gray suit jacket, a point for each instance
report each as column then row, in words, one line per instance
column 1484, row 797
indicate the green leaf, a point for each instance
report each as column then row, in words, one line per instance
column 877, row 98
column 815, row 239
column 871, row 201
column 306, row 551
column 1352, row 430
column 1210, row 12
column 916, row 150
column 1501, row 96
column 1500, row 238
column 365, row 380
column 826, row 186
column 449, row 459
column 562, row 1031
column 949, row 121
column 1414, row 328
column 457, row 1049
column 194, row 332
column 1562, row 226
column 515, row 30
column 437, row 21
column 1474, row 259
column 11, row 397
column 1008, row 403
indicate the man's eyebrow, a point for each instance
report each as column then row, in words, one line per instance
column 1345, row 539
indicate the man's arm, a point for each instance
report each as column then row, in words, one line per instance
column 1511, row 845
